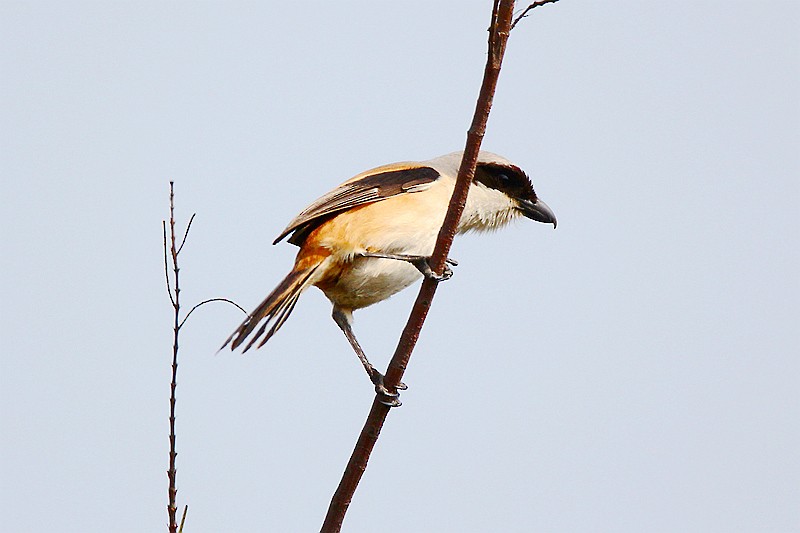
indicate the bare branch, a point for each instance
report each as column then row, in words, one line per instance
column 172, row 472
column 186, row 233
column 166, row 263
column 527, row 9
column 174, row 297
column 183, row 518
column 209, row 301
column 502, row 13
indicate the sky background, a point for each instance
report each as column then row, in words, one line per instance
column 635, row 370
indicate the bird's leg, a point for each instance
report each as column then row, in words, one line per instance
column 344, row 319
column 421, row 262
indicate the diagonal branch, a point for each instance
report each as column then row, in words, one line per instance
column 502, row 13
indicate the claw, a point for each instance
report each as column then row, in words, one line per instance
column 391, row 402
column 424, row 266
column 392, row 399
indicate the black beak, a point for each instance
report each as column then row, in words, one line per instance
column 538, row 211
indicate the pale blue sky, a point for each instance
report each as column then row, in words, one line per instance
column 634, row 370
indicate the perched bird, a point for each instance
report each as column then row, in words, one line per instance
column 373, row 235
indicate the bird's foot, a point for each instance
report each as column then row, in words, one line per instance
column 423, row 265
column 387, row 397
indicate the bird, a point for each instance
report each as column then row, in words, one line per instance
column 373, row 235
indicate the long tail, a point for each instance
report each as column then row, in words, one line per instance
column 275, row 308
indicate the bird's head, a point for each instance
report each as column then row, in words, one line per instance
column 500, row 192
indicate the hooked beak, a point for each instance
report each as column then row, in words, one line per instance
column 538, row 211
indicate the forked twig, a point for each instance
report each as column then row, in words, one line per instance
column 174, row 291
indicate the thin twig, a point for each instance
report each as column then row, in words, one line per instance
column 206, row 302
column 166, row 263
column 501, row 25
column 186, row 233
column 183, row 518
column 532, row 6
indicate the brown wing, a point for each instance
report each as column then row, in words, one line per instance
column 379, row 184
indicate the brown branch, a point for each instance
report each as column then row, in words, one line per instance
column 176, row 306
column 502, row 13
column 532, row 6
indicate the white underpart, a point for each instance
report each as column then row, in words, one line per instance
column 372, row 280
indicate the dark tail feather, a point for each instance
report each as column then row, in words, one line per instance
column 274, row 310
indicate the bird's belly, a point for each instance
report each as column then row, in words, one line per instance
column 369, row 280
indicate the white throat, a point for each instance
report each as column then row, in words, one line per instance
column 486, row 209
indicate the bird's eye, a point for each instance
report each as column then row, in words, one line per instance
column 503, row 179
